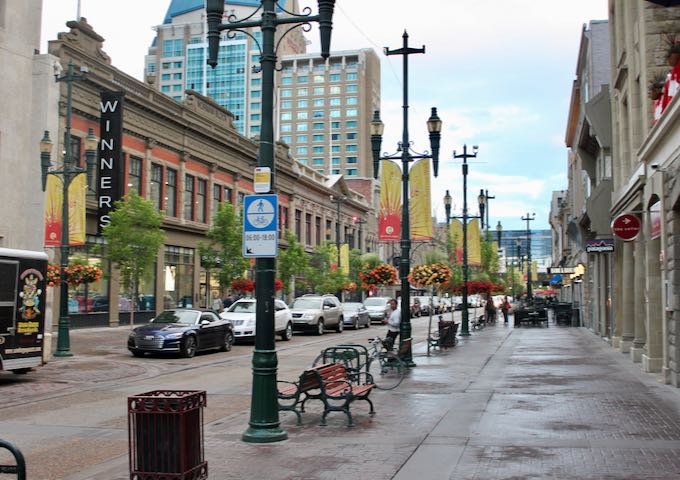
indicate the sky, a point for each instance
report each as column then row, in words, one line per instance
column 499, row 72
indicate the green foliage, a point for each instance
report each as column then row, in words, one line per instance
column 133, row 238
column 434, row 256
column 293, row 261
column 355, row 265
column 370, row 261
column 323, row 276
column 224, row 248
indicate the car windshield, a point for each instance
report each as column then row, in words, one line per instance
column 374, row 302
column 242, row 307
column 176, row 316
column 307, row 304
column 351, row 307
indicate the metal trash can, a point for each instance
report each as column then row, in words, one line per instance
column 447, row 333
column 165, row 433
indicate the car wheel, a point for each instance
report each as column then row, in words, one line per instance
column 319, row 327
column 355, row 325
column 368, row 323
column 137, row 353
column 287, row 334
column 340, row 326
column 188, row 348
column 228, row 342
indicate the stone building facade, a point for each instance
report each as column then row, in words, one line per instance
column 187, row 158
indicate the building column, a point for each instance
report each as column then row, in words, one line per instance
column 617, row 296
column 640, row 299
column 627, row 301
column 652, row 358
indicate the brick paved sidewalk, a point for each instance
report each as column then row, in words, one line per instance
column 506, row 403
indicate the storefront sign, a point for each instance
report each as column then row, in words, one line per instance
column 626, row 226
column 603, row 245
column 110, row 165
column 560, row 270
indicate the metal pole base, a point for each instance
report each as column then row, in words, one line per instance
column 63, row 341
column 264, row 406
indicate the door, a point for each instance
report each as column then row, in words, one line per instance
column 210, row 333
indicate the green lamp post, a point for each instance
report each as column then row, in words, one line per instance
column 264, row 416
column 407, row 155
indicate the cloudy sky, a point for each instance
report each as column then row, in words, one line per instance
column 499, row 72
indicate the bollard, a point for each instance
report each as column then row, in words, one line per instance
column 165, row 433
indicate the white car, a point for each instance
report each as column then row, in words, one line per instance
column 242, row 316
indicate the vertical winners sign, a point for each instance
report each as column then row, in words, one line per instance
column 110, row 165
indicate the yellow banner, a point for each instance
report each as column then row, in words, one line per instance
column 344, row 258
column 474, row 245
column 420, row 200
column 457, row 238
column 54, row 196
column 389, row 217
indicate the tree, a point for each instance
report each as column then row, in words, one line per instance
column 224, row 248
column 323, row 274
column 293, row 261
column 133, row 239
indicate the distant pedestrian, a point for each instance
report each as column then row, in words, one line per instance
column 489, row 310
column 228, row 301
column 505, row 308
column 217, row 304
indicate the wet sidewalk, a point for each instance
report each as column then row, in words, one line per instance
column 506, row 403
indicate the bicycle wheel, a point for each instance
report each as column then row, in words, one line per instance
column 387, row 370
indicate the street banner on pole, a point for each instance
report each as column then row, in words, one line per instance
column 420, row 200
column 474, row 243
column 344, row 258
column 54, row 194
column 389, row 219
column 457, row 238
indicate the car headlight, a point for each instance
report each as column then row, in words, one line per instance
column 173, row 336
column 309, row 316
column 132, row 333
column 249, row 323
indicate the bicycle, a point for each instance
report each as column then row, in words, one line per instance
column 383, row 367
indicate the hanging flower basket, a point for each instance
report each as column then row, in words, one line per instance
column 243, row 285
column 434, row 274
column 53, row 275
column 350, row 287
column 383, row 274
column 278, row 284
column 76, row 274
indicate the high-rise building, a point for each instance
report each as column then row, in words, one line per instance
column 176, row 61
column 325, row 108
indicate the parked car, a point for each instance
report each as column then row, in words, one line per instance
column 415, row 306
column 241, row 314
column 355, row 315
column 457, row 302
column 317, row 313
column 182, row 330
column 378, row 308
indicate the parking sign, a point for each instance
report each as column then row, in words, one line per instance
column 260, row 226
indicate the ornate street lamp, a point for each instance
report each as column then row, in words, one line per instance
column 407, row 155
column 499, row 233
column 465, row 325
column 68, row 172
column 264, row 414
column 481, row 200
column 529, row 218
column 337, row 201
column 361, row 222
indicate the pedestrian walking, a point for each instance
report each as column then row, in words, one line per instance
column 490, row 310
column 505, row 308
column 228, row 301
column 217, row 304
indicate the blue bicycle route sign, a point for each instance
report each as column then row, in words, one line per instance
column 260, row 225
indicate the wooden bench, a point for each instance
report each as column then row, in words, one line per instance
column 329, row 383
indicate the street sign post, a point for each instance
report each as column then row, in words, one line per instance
column 260, row 226
column 626, row 226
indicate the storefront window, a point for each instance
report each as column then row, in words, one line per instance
column 89, row 297
column 146, row 293
column 179, row 277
